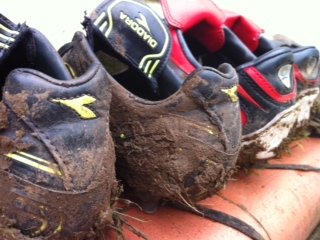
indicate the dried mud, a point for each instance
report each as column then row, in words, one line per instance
column 19, row 103
column 179, row 170
column 177, row 150
column 8, row 232
column 62, row 210
column 7, row 145
column 63, row 219
column 247, row 155
column 314, row 123
column 4, row 122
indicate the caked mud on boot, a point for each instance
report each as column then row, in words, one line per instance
column 314, row 123
column 267, row 90
column 177, row 130
column 57, row 155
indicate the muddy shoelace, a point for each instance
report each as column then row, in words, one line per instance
column 235, row 222
column 223, row 218
column 227, row 219
column 294, row 167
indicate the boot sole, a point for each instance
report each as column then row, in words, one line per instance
column 268, row 139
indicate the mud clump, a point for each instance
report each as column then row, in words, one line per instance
column 19, row 103
column 247, row 155
column 4, row 122
column 314, row 123
column 8, row 232
column 183, row 170
column 8, row 145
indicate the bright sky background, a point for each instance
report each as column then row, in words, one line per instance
column 59, row 19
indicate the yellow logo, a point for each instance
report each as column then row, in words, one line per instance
column 35, row 162
column 232, row 93
column 77, row 104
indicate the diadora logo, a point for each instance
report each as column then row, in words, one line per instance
column 141, row 27
column 232, row 93
column 143, row 21
column 77, row 104
column 139, row 19
column 284, row 75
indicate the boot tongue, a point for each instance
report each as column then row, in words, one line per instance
column 136, row 33
column 10, row 33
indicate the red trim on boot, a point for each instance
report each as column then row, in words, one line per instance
column 298, row 74
column 267, row 87
column 244, row 118
column 202, row 14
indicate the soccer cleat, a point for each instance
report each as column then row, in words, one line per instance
column 267, row 88
column 306, row 61
column 56, row 153
column 177, row 133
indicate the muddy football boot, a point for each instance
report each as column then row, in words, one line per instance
column 56, row 152
column 267, row 88
column 306, row 61
column 177, row 133
column 307, row 73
